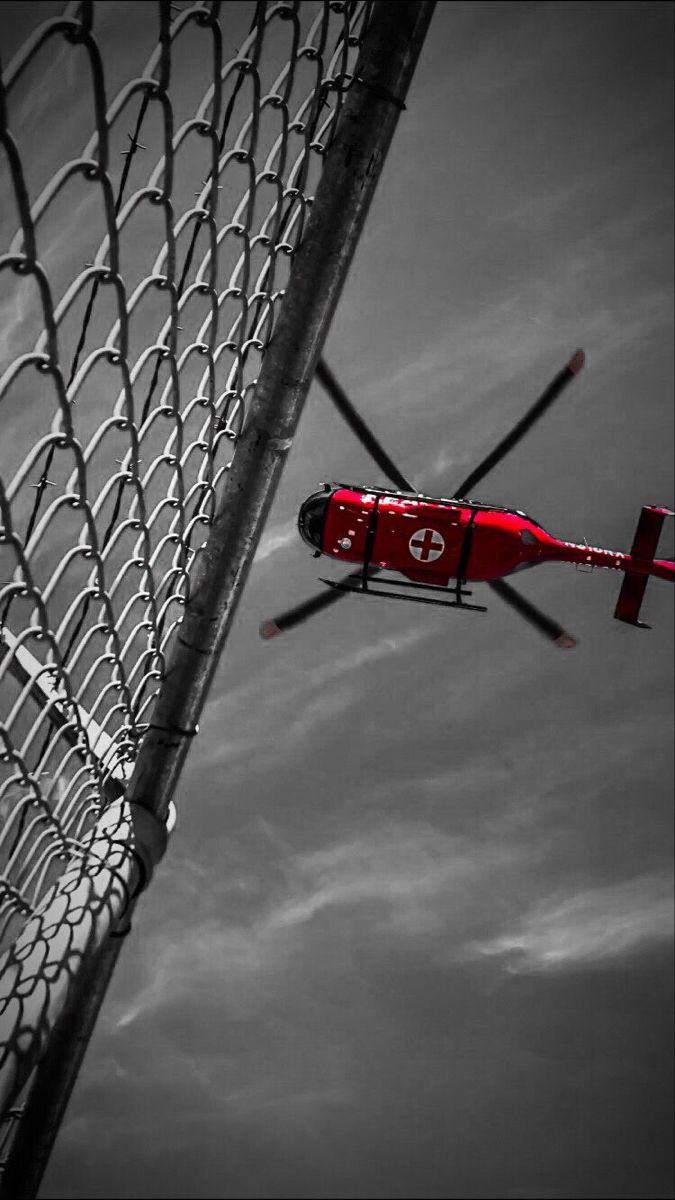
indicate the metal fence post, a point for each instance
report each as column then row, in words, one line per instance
column 353, row 166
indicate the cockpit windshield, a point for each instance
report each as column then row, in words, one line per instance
column 311, row 519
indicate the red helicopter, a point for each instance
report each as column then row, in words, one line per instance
column 432, row 541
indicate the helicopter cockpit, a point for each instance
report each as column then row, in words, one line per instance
column 311, row 518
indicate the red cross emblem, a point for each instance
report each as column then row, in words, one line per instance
column 426, row 545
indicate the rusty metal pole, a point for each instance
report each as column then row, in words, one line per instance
column 353, row 166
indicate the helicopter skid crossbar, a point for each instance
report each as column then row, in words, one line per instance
column 369, row 591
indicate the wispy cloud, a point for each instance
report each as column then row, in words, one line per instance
column 366, row 654
column 280, row 537
column 586, row 928
column 257, row 715
column 404, row 867
column 13, row 316
column 404, row 878
column 505, row 342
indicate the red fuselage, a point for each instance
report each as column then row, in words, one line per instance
column 433, row 541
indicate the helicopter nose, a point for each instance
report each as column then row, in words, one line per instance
column 311, row 518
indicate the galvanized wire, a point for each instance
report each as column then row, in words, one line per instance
column 147, row 273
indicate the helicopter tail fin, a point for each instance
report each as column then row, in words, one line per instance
column 642, row 552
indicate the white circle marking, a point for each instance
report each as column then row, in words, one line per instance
column 426, row 545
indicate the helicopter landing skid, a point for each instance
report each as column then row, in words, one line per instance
column 362, row 590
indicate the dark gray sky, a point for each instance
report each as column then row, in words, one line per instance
column 413, row 933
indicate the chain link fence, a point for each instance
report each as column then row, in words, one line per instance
column 139, row 290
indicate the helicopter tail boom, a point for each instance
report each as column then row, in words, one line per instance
column 642, row 556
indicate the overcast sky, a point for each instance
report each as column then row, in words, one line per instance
column 413, row 933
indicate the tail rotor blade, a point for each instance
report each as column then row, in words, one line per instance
column 359, row 428
column 546, row 625
column 555, row 387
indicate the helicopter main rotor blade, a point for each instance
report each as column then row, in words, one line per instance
column 555, row 387
column 525, row 608
column 546, row 625
column 302, row 612
column 359, row 428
